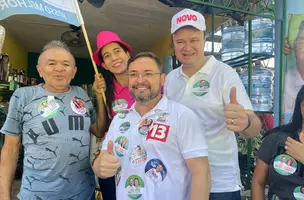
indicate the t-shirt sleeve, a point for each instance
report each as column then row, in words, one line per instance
column 267, row 148
column 191, row 136
column 12, row 124
column 241, row 94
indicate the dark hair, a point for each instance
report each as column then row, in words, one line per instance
column 109, row 78
column 147, row 55
column 295, row 125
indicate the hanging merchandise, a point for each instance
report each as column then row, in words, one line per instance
column 233, row 41
column 262, row 36
column 4, row 65
column 2, row 37
column 262, row 88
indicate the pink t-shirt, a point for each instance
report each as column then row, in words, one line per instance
column 122, row 99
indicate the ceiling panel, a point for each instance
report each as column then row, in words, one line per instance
column 139, row 22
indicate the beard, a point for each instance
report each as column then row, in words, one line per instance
column 144, row 98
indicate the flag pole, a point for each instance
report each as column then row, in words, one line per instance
column 80, row 19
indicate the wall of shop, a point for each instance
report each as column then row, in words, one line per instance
column 17, row 53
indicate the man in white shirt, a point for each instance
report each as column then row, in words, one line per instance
column 214, row 91
column 294, row 78
column 175, row 146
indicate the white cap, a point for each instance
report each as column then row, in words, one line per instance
column 188, row 17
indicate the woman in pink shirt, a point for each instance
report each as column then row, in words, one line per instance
column 112, row 56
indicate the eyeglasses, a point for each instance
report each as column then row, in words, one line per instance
column 134, row 75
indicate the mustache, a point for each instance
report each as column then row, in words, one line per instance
column 141, row 85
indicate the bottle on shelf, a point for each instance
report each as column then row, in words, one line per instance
column 262, row 88
column 262, row 36
column 233, row 41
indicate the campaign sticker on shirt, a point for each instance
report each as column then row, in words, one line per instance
column 156, row 170
column 48, row 108
column 162, row 117
column 124, row 127
column 118, row 176
column 200, row 88
column 159, row 132
column 275, row 197
column 139, row 155
column 145, row 126
column 285, row 165
column 120, row 105
column 123, row 114
column 78, row 106
column 121, row 146
column 298, row 193
column 134, row 186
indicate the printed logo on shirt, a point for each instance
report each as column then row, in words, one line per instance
column 298, row 193
column 275, row 197
column 162, row 117
column 118, row 176
column 121, row 146
column 156, row 170
column 134, row 187
column 285, row 165
column 124, row 127
column 139, row 155
column 145, row 126
column 78, row 106
column 120, row 105
column 158, row 132
column 48, row 108
column 200, row 88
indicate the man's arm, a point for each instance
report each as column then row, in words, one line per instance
column 200, row 185
column 100, row 127
column 8, row 164
column 255, row 125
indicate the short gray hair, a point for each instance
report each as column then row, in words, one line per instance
column 56, row 44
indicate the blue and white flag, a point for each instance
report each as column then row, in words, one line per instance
column 62, row 10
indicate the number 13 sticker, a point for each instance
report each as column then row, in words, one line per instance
column 158, row 132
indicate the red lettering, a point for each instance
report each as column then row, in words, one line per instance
column 186, row 18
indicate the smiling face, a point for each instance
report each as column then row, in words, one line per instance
column 145, row 89
column 115, row 58
column 189, row 44
column 57, row 68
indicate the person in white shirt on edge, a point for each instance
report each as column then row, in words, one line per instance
column 174, row 145
column 294, row 78
column 214, row 91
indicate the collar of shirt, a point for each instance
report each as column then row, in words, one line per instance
column 206, row 69
column 162, row 105
column 118, row 88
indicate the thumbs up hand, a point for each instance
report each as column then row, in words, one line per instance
column 235, row 115
column 107, row 164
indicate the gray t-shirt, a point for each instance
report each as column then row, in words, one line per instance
column 55, row 130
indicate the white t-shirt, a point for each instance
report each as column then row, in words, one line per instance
column 206, row 93
column 161, row 172
column 293, row 84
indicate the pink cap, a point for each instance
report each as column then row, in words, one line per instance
column 104, row 38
